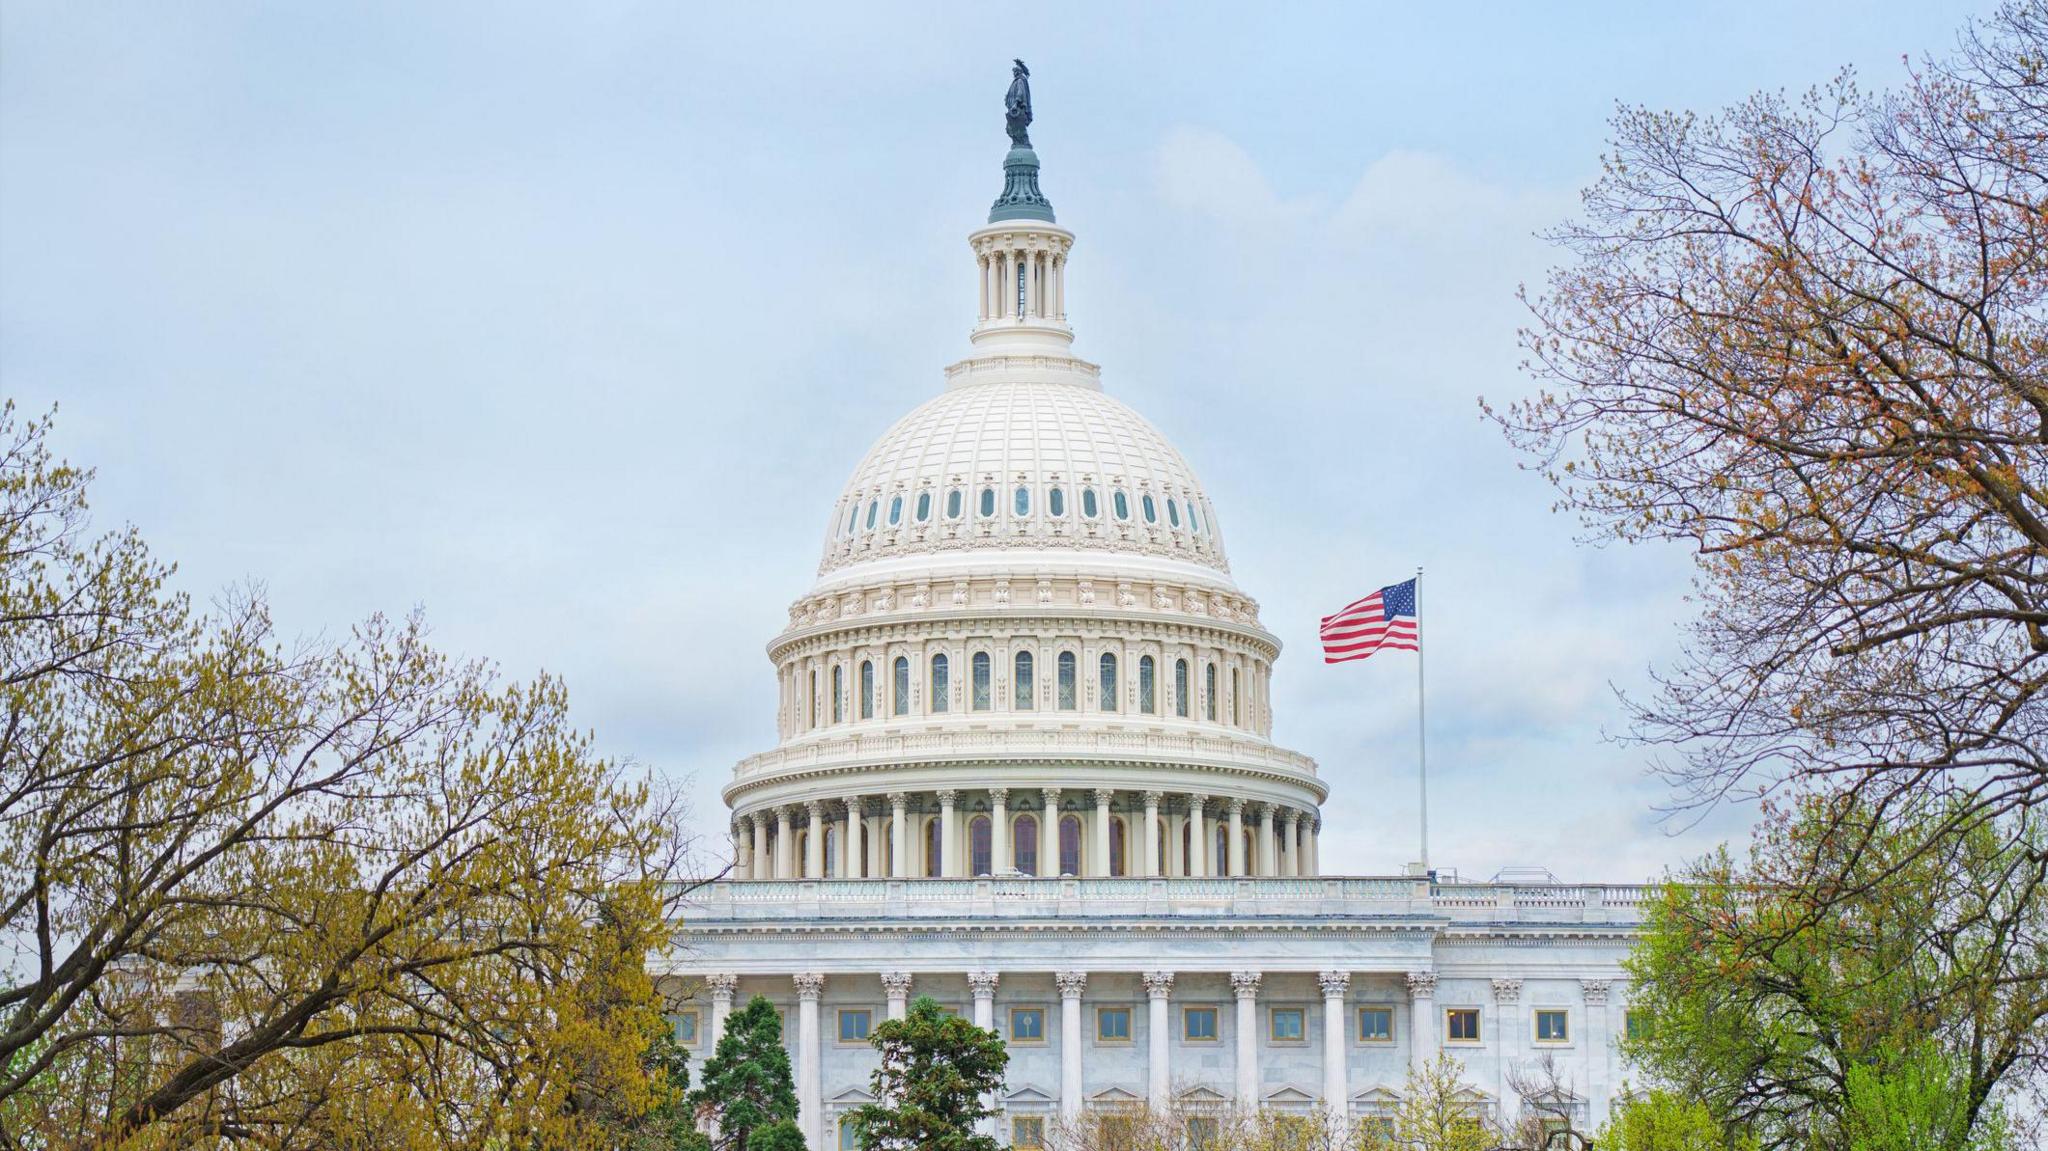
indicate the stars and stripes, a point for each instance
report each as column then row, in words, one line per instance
column 1384, row 619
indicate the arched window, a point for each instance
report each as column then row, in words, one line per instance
column 942, row 687
column 1109, row 681
column 1122, row 506
column 867, row 689
column 812, row 704
column 1116, row 845
column 838, row 694
column 1151, row 513
column 1088, row 507
column 1236, row 700
column 1024, row 844
column 901, row 703
column 852, row 518
column 1070, row 845
column 1147, row 698
column 980, row 848
column 983, row 697
column 1024, row 696
column 924, row 506
column 1022, row 501
column 1066, row 681
column 1172, row 513
column 873, row 507
column 803, row 849
column 831, row 851
column 1180, row 688
column 895, row 510
column 1209, row 688
column 1219, row 862
column 988, row 503
column 953, row 504
column 1056, row 502
column 934, row 855
column 1251, row 855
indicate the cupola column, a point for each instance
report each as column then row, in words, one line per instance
column 1049, row 834
column 1269, row 842
column 949, row 851
column 1101, row 853
column 814, row 847
column 785, row 843
column 899, row 835
column 1290, row 853
column 999, row 831
column 1198, row 837
column 1149, row 866
column 855, row 862
column 762, row 866
column 742, row 847
column 1234, row 848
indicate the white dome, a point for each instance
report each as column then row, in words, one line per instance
column 1034, row 466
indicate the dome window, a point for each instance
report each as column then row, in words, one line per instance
column 924, row 506
column 988, row 503
column 942, row 688
column 1172, row 513
column 953, row 504
column 1088, row 507
column 1194, row 521
column 873, row 507
column 1023, row 500
column 895, row 510
column 1151, row 512
column 1056, row 502
column 1122, row 505
column 852, row 517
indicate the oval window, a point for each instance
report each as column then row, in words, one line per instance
column 895, row 510
column 1056, row 502
column 1023, row 500
column 924, row 506
column 988, row 502
column 1172, row 513
column 1151, row 513
column 873, row 507
column 852, row 516
column 1194, row 521
column 1122, row 505
column 1088, row 507
column 953, row 504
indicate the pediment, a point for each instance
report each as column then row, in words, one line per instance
column 1289, row 1096
column 1029, row 1094
column 1204, row 1095
column 1115, row 1095
column 1378, row 1093
column 852, row 1097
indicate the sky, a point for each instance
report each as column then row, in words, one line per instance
column 565, row 324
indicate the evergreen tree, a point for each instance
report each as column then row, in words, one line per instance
column 937, row 1073
column 747, row 1087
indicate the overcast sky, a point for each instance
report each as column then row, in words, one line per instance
column 566, row 323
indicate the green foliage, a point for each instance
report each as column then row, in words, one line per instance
column 781, row 1135
column 1916, row 1103
column 937, row 1073
column 1435, row 1113
column 747, row 1086
column 1662, row 1121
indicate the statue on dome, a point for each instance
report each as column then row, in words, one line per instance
column 1017, row 106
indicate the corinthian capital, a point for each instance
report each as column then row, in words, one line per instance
column 809, row 985
column 1245, row 983
column 1071, row 983
column 1422, row 984
column 1158, row 984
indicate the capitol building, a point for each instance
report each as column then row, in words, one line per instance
column 1025, row 766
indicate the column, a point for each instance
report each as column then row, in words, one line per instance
column 1507, row 1030
column 742, row 847
column 1290, row 851
column 722, row 986
column 1423, row 1043
column 855, row 864
column 1031, row 285
column 814, row 848
column 763, row 864
column 896, row 986
column 1246, row 984
column 1071, row 984
column 1315, row 847
column 1269, row 842
column 1336, row 1080
column 785, row 843
column 899, row 831
column 1149, row 866
column 1101, row 853
column 1598, row 1049
column 1158, row 1031
column 1234, row 849
column 949, row 851
column 1198, row 837
column 981, row 265
column 983, row 986
column 1302, row 864
column 1000, row 859
column 1049, row 834
column 809, row 1091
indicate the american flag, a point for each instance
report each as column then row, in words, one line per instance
column 1386, row 618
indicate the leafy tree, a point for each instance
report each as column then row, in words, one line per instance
column 1804, row 1017
column 1662, row 1121
column 1435, row 1113
column 937, row 1077
column 747, row 1089
column 326, row 893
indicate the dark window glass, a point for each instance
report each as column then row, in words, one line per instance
column 980, row 846
column 1070, row 845
column 941, row 684
column 1551, row 1027
column 873, row 507
column 1024, row 696
column 1194, row 521
column 1173, row 513
column 983, row 698
column 1109, row 681
column 1375, row 1024
column 902, row 700
column 1088, row 507
column 1122, row 506
column 1024, row 844
column 1056, row 502
column 1198, row 1024
column 1151, row 513
column 1066, row 681
column 988, row 503
column 854, row 1026
column 1209, row 686
column 1146, row 694
column 867, row 689
column 838, row 694
column 1027, row 1024
column 1116, row 845
column 1180, row 688
column 895, row 510
column 1022, row 501
column 924, row 506
column 932, row 856
column 1462, row 1023
column 953, row 504
column 1290, row 1025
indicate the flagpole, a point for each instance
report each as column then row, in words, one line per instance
column 1421, row 725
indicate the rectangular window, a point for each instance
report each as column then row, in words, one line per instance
column 983, row 696
column 1287, row 1025
column 849, row 1138
column 1461, row 1025
column 1027, row 1131
column 1551, row 1026
column 1375, row 1025
column 854, row 1024
column 1066, row 681
column 686, row 1026
column 1112, row 1025
column 1198, row 1024
column 1636, row 1025
column 1027, row 1025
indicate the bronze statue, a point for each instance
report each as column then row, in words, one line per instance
column 1017, row 106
